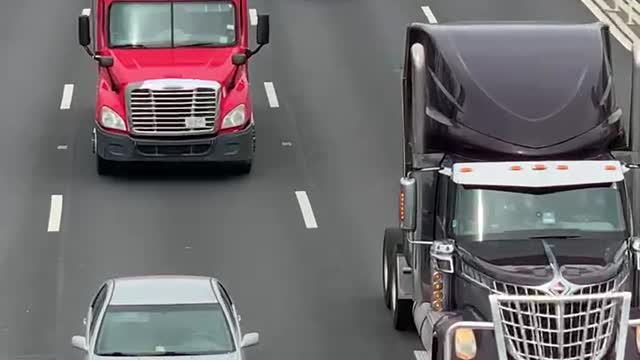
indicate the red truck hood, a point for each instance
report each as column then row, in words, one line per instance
column 132, row 65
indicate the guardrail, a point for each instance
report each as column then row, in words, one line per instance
column 631, row 8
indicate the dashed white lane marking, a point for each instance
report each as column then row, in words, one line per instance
column 615, row 31
column 62, row 147
column 86, row 12
column 307, row 211
column 55, row 213
column 429, row 14
column 67, row 95
column 253, row 17
column 271, row 94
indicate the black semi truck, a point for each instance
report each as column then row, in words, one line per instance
column 516, row 236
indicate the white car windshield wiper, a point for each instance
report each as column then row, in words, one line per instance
column 117, row 353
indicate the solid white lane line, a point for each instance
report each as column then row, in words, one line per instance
column 624, row 27
column 602, row 4
column 598, row 13
column 429, row 14
column 67, row 95
column 86, row 12
column 253, row 17
column 271, row 94
column 55, row 213
column 307, row 211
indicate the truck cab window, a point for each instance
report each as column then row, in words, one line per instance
column 166, row 24
column 441, row 206
column 494, row 214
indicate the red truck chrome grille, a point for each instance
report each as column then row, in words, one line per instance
column 173, row 112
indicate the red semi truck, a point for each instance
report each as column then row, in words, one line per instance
column 173, row 82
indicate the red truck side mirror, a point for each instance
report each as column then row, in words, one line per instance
column 262, row 32
column 84, row 31
column 239, row 59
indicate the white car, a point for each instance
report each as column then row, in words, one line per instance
column 164, row 317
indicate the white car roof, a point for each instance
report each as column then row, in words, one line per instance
column 163, row 290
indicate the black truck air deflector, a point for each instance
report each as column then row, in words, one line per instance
column 517, row 89
column 529, row 262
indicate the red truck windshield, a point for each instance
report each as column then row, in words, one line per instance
column 168, row 24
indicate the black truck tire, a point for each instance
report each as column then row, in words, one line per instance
column 390, row 245
column 401, row 308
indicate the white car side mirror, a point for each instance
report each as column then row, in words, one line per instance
column 250, row 339
column 79, row 342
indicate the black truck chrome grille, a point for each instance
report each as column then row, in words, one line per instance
column 558, row 330
column 173, row 111
column 539, row 326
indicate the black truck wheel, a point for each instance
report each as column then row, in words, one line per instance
column 400, row 308
column 390, row 246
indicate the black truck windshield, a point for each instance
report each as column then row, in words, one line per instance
column 481, row 214
column 172, row 24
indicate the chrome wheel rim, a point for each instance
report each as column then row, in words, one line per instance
column 385, row 273
column 394, row 297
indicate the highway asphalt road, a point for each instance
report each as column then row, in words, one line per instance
column 313, row 293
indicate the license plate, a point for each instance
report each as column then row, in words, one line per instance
column 195, row 122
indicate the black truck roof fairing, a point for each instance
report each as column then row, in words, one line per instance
column 511, row 89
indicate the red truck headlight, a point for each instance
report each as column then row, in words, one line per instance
column 111, row 120
column 235, row 117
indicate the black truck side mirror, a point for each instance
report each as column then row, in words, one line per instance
column 262, row 32
column 84, row 31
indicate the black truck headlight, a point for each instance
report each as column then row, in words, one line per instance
column 465, row 344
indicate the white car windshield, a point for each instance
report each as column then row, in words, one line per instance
column 492, row 214
column 172, row 24
column 150, row 330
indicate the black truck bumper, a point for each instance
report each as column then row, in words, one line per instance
column 225, row 148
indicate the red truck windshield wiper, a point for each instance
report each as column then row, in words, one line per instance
column 196, row 44
column 128, row 46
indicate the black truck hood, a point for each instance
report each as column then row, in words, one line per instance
column 534, row 262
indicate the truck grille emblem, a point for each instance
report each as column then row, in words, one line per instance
column 558, row 289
